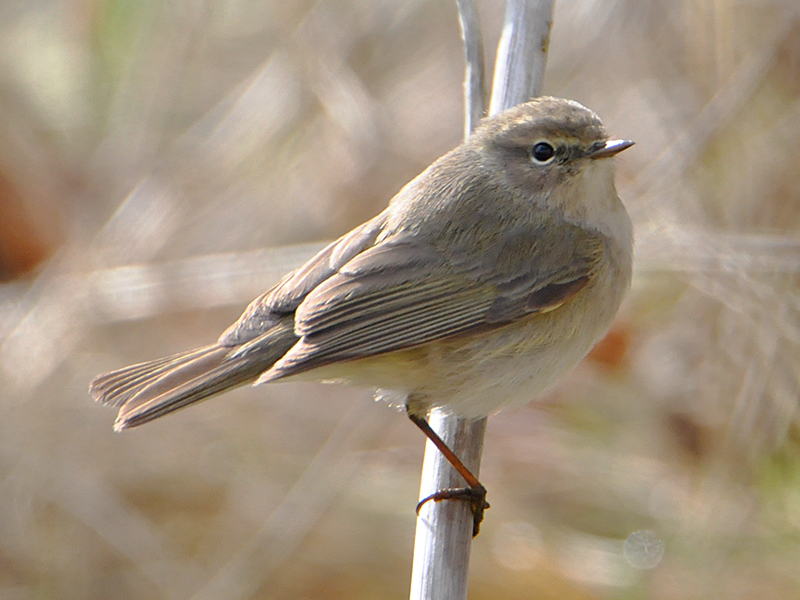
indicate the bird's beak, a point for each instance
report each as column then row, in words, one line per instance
column 609, row 148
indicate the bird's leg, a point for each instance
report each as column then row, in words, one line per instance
column 475, row 493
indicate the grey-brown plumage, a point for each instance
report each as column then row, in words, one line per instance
column 486, row 278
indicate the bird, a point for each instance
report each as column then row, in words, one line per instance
column 487, row 279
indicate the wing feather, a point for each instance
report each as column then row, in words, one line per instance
column 401, row 293
column 266, row 311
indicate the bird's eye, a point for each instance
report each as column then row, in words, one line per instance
column 542, row 152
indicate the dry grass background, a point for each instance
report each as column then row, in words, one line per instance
column 158, row 161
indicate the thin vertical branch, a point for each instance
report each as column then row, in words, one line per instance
column 521, row 54
column 444, row 529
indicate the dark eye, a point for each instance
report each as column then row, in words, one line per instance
column 542, row 152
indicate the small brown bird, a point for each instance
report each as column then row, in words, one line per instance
column 487, row 278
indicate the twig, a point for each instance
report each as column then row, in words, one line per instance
column 521, row 54
column 444, row 529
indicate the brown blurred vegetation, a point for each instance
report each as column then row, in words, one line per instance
column 158, row 161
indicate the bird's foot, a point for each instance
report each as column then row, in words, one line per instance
column 476, row 496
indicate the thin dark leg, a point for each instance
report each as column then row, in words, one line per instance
column 475, row 494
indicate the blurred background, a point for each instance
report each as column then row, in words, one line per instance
column 161, row 164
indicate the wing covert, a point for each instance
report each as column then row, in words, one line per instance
column 266, row 311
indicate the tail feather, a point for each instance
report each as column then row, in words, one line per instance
column 145, row 391
column 191, row 382
column 118, row 387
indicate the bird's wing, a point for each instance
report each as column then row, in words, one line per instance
column 402, row 293
column 249, row 347
column 267, row 310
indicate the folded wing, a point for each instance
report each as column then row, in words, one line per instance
column 401, row 293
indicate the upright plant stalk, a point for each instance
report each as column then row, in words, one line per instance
column 444, row 529
column 522, row 53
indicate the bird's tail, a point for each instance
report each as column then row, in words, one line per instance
column 146, row 391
